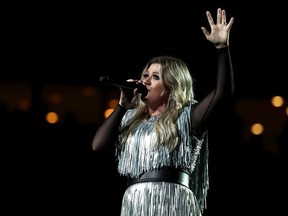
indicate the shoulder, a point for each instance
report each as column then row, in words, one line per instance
column 190, row 104
column 128, row 115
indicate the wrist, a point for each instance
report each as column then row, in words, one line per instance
column 122, row 106
column 220, row 46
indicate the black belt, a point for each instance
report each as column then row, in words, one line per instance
column 166, row 174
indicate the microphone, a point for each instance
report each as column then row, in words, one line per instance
column 126, row 85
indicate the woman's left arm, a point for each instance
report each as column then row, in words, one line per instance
column 206, row 109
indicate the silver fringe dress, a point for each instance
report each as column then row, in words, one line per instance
column 139, row 155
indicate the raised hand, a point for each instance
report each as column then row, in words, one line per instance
column 219, row 34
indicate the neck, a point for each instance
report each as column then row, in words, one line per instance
column 156, row 112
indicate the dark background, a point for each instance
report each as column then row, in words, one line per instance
column 78, row 42
column 52, row 169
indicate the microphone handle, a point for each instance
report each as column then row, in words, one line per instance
column 122, row 85
column 127, row 85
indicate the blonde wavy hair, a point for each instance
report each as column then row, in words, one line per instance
column 177, row 79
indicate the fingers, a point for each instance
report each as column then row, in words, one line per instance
column 205, row 31
column 220, row 19
column 134, row 80
column 223, row 17
column 209, row 18
column 230, row 22
column 128, row 98
column 219, row 16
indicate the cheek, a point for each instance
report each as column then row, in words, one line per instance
column 160, row 90
column 164, row 94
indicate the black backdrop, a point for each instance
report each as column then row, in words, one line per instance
column 52, row 169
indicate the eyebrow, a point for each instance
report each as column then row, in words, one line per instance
column 154, row 72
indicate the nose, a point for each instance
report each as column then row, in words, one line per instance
column 146, row 81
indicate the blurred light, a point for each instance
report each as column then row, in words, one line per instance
column 52, row 117
column 277, row 101
column 113, row 103
column 89, row 91
column 108, row 112
column 287, row 111
column 24, row 104
column 55, row 98
column 257, row 129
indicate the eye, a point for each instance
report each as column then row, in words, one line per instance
column 145, row 76
column 156, row 77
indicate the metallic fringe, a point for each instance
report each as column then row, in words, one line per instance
column 159, row 199
column 138, row 155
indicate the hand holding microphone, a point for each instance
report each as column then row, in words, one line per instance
column 129, row 90
column 130, row 84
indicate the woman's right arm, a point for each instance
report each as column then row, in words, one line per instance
column 108, row 130
column 107, row 133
